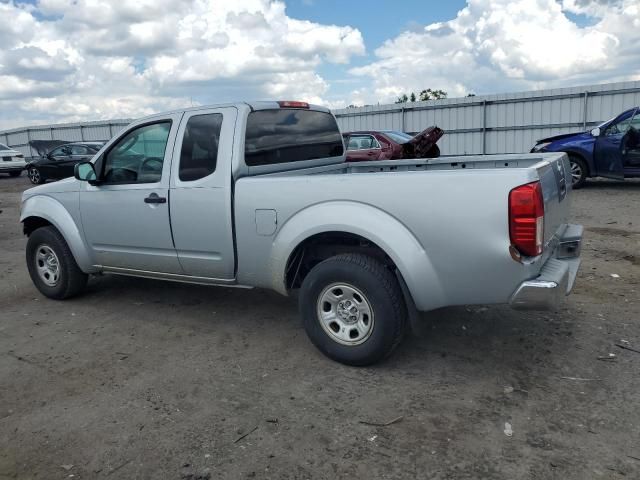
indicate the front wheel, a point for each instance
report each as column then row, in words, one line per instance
column 35, row 176
column 353, row 309
column 578, row 171
column 51, row 265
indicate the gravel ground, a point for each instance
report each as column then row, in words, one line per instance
column 146, row 379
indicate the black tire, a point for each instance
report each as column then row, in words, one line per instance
column 16, row 173
column 71, row 280
column 35, row 176
column 381, row 291
column 577, row 165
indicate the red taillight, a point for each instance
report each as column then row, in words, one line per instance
column 526, row 218
column 292, row 104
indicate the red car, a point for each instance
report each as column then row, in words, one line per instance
column 391, row 145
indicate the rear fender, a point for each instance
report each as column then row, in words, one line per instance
column 369, row 222
column 52, row 211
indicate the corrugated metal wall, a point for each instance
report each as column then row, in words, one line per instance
column 19, row 138
column 505, row 123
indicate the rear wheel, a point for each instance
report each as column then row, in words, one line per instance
column 51, row 265
column 579, row 171
column 16, row 173
column 353, row 309
column 35, row 176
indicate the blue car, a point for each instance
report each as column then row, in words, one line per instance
column 612, row 149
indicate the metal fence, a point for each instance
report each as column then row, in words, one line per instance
column 504, row 123
column 19, row 138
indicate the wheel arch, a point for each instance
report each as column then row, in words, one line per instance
column 41, row 211
column 581, row 156
column 343, row 226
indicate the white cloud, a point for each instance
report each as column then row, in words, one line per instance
column 66, row 60
column 506, row 45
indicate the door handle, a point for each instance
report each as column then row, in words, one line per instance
column 154, row 198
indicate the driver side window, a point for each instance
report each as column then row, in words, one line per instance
column 138, row 157
column 58, row 152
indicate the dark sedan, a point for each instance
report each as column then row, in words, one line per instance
column 391, row 145
column 59, row 162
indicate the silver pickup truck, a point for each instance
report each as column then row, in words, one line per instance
column 258, row 195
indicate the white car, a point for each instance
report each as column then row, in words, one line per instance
column 11, row 161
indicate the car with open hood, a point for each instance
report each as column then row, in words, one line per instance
column 367, row 145
column 60, row 161
column 611, row 149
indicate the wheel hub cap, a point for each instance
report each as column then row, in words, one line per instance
column 345, row 314
column 47, row 265
column 576, row 172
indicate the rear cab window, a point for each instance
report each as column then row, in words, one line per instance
column 199, row 153
column 287, row 135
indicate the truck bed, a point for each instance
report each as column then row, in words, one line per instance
column 461, row 222
column 438, row 164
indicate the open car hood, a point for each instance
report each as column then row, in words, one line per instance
column 45, row 146
column 423, row 145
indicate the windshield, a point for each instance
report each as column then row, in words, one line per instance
column 4, row 147
column 606, row 121
column 398, row 137
column 621, row 117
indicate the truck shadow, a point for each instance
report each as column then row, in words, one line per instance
column 495, row 341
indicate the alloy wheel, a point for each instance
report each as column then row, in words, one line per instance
column 34, row 175
column 576, row 172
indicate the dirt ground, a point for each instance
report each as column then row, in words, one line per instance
column 152, row 380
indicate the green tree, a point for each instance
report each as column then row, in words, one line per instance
column 429, row 94
column 412, row 97
column 402, row 98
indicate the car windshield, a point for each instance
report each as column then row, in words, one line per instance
column 606, row 121
column 399, row 137
column 4, row 147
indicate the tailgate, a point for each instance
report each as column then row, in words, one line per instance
column 555, row 179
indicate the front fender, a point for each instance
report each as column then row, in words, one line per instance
column 54, row 212
column 369, row 222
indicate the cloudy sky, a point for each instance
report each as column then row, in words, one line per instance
column 71, row 60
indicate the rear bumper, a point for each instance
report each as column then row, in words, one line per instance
column 12, row 166
column 556, row 278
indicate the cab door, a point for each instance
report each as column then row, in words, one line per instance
column 608, row 148
column 125, row 215
column 201, row 196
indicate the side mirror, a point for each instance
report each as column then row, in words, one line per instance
column 84, row 172
column 595, row 132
